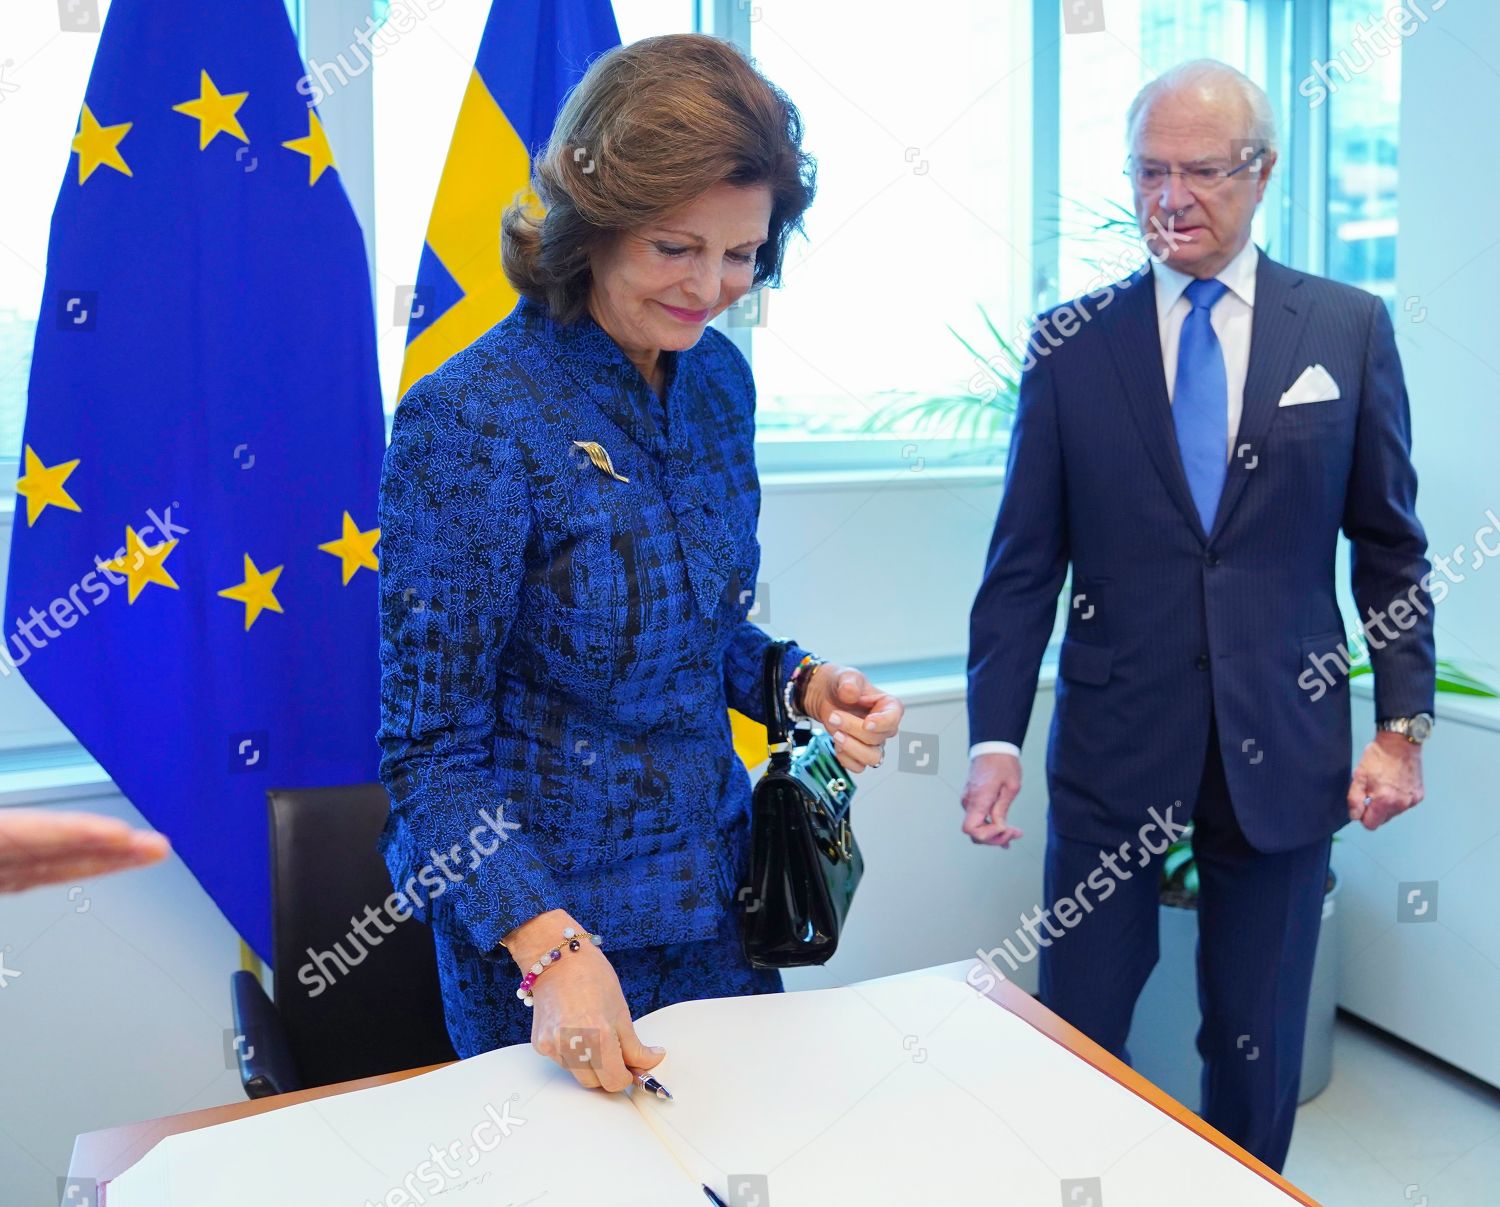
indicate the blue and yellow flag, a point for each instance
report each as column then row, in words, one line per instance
column 531, row 53
column 193, row 570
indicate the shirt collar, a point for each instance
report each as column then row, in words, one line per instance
column 1238, row 275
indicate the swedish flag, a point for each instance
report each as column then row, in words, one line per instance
column 531, row 53
column 193, row 570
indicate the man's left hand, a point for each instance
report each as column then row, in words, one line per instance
column 859, row 716
column 1387, row 781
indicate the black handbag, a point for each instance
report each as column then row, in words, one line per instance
column 804, row 861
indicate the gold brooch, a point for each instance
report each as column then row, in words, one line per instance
column 600, row 458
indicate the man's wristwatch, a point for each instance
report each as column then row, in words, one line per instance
column 1415, row 729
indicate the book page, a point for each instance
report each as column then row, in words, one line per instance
column 914, row 1089
column 499, row 1130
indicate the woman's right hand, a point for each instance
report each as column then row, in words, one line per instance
column 580, row 1018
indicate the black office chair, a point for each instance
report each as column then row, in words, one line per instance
column 383, row 1011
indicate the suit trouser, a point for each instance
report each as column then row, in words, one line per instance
column 1258, row 920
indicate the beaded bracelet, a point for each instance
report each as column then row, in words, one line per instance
column 809, row 664
column 573, row 943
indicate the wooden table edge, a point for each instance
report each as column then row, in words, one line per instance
column 127, row 1143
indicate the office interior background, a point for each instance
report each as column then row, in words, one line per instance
column 970, row 174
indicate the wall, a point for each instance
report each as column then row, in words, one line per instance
column 1448, row 262
column 1434, row 977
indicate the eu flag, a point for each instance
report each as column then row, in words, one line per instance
column 193, row 569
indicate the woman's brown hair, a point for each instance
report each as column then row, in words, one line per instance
column 650, row 127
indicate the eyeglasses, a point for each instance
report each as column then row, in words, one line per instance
column 1204, row 177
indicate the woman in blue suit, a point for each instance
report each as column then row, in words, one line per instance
column 568, row 517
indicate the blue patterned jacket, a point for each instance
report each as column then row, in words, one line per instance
column 562, row 644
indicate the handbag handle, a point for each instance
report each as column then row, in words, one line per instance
column 777, row 723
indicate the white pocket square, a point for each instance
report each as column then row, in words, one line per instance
column 1315, row 385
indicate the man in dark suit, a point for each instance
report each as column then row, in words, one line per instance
column 1191, row 441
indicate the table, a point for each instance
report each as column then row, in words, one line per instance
column 101, row 1155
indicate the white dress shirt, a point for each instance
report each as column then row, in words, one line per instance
column 1230, row 317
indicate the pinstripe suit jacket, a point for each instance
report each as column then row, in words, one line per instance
column 1172, row 621
column 563, row 643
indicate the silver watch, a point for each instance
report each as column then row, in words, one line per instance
column 1415, row 729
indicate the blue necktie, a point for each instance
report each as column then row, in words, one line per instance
column 1200, row 401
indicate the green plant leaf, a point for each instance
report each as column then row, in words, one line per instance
column 972, row 417
column 1452, row 679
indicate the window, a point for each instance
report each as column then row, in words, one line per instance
column 921, row 125
column 966, row 162
column 44, row 68
column 1362, row 80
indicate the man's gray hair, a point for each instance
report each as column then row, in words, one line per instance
column 1208, row 75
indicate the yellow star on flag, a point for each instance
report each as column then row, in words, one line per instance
column 99, row 146
column 356, row 548
column 255, row 592
column 215, row 111
column 42, row 486
column 142, row 563
column 315, row 147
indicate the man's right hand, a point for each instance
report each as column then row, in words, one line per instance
column 580, row 1017
column 994, row 781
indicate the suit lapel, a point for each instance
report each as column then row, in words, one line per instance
column 1136, row 343
column 1281, row 309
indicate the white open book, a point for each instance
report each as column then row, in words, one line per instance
column 914, row 1088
